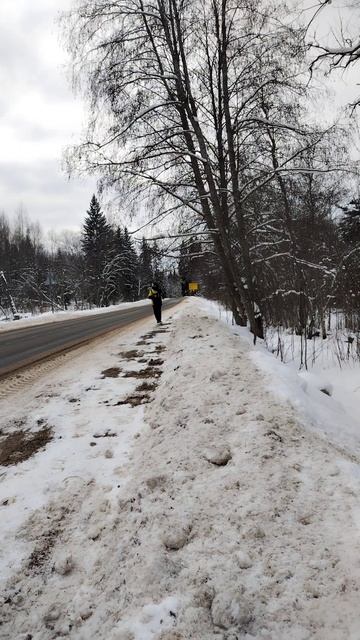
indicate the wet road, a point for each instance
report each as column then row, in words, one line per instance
column 20, row 347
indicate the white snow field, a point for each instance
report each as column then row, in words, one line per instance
column 214, row 512
column 326, row 397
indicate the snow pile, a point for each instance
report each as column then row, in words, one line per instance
column 326, row 398
column 228, row 521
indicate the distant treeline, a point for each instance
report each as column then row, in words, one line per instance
column 100, row 266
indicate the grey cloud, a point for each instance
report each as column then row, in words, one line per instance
column 22, row 66
column 45, row 193
column 27, row 69
column 31, row 132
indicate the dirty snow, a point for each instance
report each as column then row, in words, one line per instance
column 209, row 513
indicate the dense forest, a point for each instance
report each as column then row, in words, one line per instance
column 103, row 265
column 100, row 266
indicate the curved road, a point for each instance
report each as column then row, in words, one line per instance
column 24, row 346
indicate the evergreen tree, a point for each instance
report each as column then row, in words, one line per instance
column 127, row 262
column 198, row 264
column 145, row 271
column 184, row 262
column 348, row 287
column 191, row 260
column 131, row 262
column 97, row 246
column 172, row 284
column 158, row 272
column 350, row 223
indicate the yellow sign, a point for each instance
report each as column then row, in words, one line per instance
column 193, row 286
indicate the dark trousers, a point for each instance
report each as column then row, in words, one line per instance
column 157, row 311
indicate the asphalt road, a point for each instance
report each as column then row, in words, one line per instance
column 24, row 346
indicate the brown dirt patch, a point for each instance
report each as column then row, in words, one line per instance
column 130, row 355
column 149, row 372
column 146, row 386
column 155, row 362
column 21, row 445
column 112, row 372
column 134, row 401
column 45, row 541
column 42, row 551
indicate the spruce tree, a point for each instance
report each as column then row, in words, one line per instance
column 127, row 265
column 349, row 276
column 184, row 262
column 97, row 246
column 145, row 271
column 350, row 223
column 157, row 264
column 191, row 260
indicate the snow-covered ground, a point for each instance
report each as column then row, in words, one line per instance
column 213, row 512
column 336, row 415
column 7, row 324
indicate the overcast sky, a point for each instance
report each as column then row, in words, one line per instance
column 39, row 116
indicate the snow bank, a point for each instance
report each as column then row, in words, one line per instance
column 326, row 398
column 7, row 324
column 217, row 517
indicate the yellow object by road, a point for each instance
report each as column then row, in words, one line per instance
column 193, row 287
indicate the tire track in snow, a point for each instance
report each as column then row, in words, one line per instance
column 17, row 381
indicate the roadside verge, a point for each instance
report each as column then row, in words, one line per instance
column 224, row 520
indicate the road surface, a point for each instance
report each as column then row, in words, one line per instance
column 24, row 346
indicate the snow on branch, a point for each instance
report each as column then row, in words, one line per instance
column 337, row 54
column 182, row 235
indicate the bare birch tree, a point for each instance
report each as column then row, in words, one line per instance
column 190, row 104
